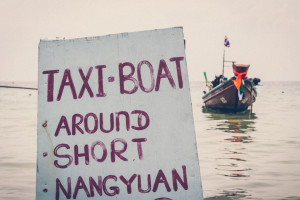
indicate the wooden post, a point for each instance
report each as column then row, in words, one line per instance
column 250, row 113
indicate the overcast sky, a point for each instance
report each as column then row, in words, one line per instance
column 263, row 33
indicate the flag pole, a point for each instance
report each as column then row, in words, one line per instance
column 223, row 61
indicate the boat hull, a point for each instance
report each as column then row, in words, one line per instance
column 225, row 97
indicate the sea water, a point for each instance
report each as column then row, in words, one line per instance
column 240, row 158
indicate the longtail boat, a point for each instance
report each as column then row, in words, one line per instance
column 233, row 95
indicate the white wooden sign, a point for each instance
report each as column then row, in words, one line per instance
column 115, row 119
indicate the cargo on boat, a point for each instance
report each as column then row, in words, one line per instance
column 225, row 96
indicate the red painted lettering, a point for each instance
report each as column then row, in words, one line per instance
column 85, row 85
column 63, row 124
column 68, row 193
column 167, row 74
column 104, row 150
column 80, row 185
column 50, row 83
column 95, row 120
column 85, row 154
column 161, row 178
column 75, row 125
column 115, row 152
column 139, row 146
column 128, row 183
column 93, row 185
column 115, row 190
column 145, row 62
column 141, row 190
column 128, row 77
column 178, row 67
column 101, row 92
column 140, row 117
column 67, row 81
column 55, row 152
column 177, row 178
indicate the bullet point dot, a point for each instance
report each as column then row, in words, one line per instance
column 45, row 190
column 45, row 154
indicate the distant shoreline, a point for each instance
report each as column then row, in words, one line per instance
column 14, row 87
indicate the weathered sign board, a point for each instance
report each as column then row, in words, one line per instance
column 115, row 119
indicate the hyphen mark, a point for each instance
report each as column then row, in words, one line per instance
column 111, row 79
